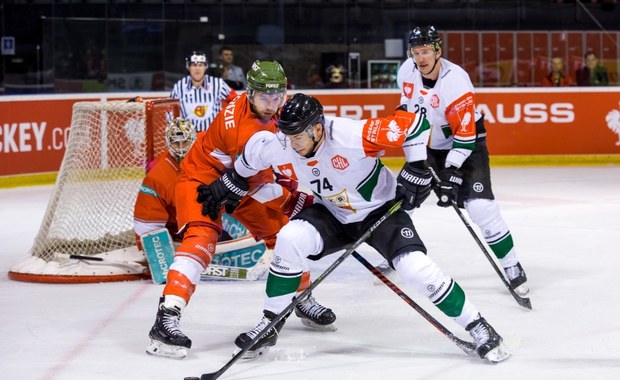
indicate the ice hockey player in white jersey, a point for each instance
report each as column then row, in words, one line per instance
column 442, row 91
column 338, row 159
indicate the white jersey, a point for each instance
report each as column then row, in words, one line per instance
column 449, row 106
column 345, row 174
column 201, row 104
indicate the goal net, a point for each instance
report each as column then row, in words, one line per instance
column 89, row 218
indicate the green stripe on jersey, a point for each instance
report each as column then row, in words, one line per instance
column 419, row 129
column 464, row 145
column 368, row 185
column 452, row 304
column 279, row 285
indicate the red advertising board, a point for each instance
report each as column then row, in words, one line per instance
column 530, row 121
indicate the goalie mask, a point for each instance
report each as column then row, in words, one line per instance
column 180, row 136
column 425, row 36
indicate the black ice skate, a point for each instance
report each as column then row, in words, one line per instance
column 488, row 342
column 315, row 315
column 167, row 340
column 517, row 278
column 267, row 340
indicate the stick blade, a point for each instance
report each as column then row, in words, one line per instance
column 210, row 376
column 523, row 301
column 468, row 347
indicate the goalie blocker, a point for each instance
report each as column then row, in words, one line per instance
column 239, row 259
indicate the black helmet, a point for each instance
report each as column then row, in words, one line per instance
column 300, row 112
column 196, row 56
column 425, row 35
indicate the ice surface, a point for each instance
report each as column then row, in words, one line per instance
column 566, row 226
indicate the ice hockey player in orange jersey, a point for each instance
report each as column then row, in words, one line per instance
column 206, row 168
column 155, row 204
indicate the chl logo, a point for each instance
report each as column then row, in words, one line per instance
column 340, row 162
column 407, row 233
column 478, row 187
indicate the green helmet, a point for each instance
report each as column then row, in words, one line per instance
column 266, row 76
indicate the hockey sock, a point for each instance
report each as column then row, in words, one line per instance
column 423, row 275
column 485, row 214
column 280, row 290
column 172, row 301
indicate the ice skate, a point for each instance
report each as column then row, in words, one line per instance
column 167, row 340
column 315, row 315
column 517, row 278
column 267, row 340
column 488, row 342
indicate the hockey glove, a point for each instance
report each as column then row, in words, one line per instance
column 286, row 182
column 226, row 190
column 413, row 184
column 451, row 180
column 297, row 202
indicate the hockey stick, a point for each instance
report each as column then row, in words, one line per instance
column 64, row 257
column 296, row 300
column 468, row 347
column 213, row 271
column 523, row 301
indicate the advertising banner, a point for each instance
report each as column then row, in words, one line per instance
column 34, row 130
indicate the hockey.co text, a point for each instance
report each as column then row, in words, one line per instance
column 30, row 136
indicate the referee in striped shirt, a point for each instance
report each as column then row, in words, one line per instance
column 201, row 95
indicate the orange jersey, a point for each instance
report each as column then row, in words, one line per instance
column 216, row 149
column 213, row 153
column 155, row 205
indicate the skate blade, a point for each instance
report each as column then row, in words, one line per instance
column 253, row 354
column 315, row 326
column 161, row 349
column 498, row 354
column 522, row 290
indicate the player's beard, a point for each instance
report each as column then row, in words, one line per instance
column 267, row 114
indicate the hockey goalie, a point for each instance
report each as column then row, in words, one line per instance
column 238, row 255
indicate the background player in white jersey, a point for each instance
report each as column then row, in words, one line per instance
column 443, row 92
column 338, row 159
column 201, row 95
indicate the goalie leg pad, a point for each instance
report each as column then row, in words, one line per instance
column 159, row 252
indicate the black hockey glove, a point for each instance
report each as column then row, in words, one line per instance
column 226, row 190
column 413, row 184
column 451, row 180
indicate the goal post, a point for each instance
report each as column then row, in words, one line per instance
column 90, row 211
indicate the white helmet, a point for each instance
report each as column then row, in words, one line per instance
column 180, row 136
